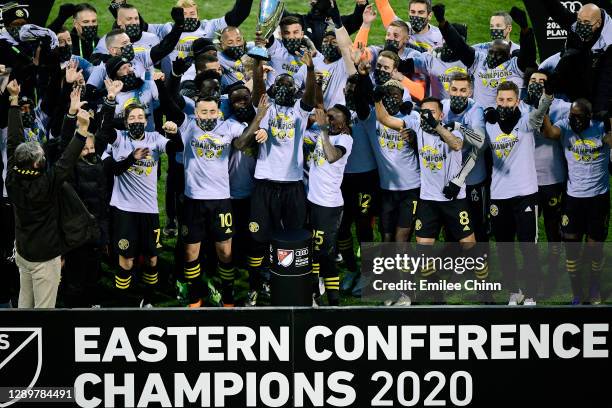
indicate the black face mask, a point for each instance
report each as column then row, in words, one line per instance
column 507, row 113
column 381, row 77
column 458, row 103
column 27, row 119
column 495, row 59
column 418, row 23
column 127, row 52
column 206, row 124
column 284, row 95
column 293, row 45
column 330, row 52
column 534, row 93
column 14, row 32
column 191, row 24
column 245, row 113
column 130, row 81
column 136, row 129
column 234, row 53
column 89, row 33
column 497, row 34
column 579, row 123
column 133, row 31
column 90, row 158
column 64, row 53
column 392, row 45
column 426, row 127
column 584, row 31
column 391, row 104
column 447, row 54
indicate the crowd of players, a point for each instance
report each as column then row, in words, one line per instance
column 423, row 133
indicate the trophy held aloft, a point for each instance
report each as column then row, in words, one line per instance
column 270, row 13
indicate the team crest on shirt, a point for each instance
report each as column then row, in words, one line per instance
column 418, row 225
column 208, row 147
column 564, row 220
column 585, row 150
column 431, row 158
column 503, row 144
column 282, row 127
column 123, row 244
column 184, row 230
column 390, row 139
column 143, row 167
column 253, row 226
column 494, row 210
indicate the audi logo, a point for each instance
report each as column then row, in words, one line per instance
column 572, row 6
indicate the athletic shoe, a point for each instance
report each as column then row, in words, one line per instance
column 349, row 280
column 251, row 299
column 182, row 291
column 529, row 302
column 321, row 286
column 228, row 297
column 339, row 258
column 316, row 300
column 96, row 306
column 516, row 298
column 214, row 296
column 6, row 305
column 265, row 290
column 170, row 230
column 196, row 304
column 403, row 301
column 144, row 304
column 362, row 282
column 576, row 301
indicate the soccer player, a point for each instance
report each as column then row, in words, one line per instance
column 514, row 186
column 327, row 162
column 233, row 48
column 550, row 168
column 278, row 201
column 496, row 65
column 425, row 35
column 285, row 55
column 136, row 154
column 586, row 210
column 500, row 28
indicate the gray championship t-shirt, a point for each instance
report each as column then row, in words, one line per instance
column 486, row 80
column 325, row 178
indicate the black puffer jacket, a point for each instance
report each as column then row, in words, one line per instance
column 89, row 181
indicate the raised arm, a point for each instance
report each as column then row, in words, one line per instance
column 343, row 39
column 386, row 12
column 238, row 13
column 64, row 167
column 381, row 113
column 559, row 13
column 168, row 105
column 353, row 21
column 106, row 133
column 167, row 44
column 332, row 153
column 466, row 53
column 536, row 116
column 308, row 98
column 252, row 132
column 15, row 127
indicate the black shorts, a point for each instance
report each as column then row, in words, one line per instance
column 453, row 215
column 276, row 206
column 324, row 222
column 135, row 233
column 550, row 199
column 515, row 218
column 588, row 216
column 398, row 209
column 477, row 196
column 207, row 216
column 361, row 194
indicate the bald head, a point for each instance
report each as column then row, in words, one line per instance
column 590, row 14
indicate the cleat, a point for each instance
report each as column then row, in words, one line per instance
column 403, row 301
column 196, row 304
column 265, row 290
column 316, row 300
column 144, row 304
column 182, row 291
column 228, row 305
column 214, row 296
column 576, row 301
column 339, row 258
column 529, row 302
column 251, row 299
column 595, row 295
column 170, row 230
column 349, row 280
column 362, row 282
column 516, row 298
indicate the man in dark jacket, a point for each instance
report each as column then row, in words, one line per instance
column 85, row 31
column 35, row 194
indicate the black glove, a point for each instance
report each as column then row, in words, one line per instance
column 180, row 66
column 438, row 11
column 519, row 17
column 378, row 93
column 550, row 85
column 334, row 14
column 451, row 190
column 178, row 16
column 67, row 10
column 450, row 126
column 406, row 108
column 408, row 134
column 406, row 67
column 491, row 115
column 429, row 118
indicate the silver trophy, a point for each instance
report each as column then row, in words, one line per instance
column 270, row 13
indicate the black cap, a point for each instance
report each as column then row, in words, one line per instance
column 113, row 64
column 12, row 11
column 235, row 86
column 202, row 45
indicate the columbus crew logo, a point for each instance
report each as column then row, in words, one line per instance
column 418, row 225
column 494, row 210
column 123, row 244
column 184, row 230
column 564, row 220
column 253, row 226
